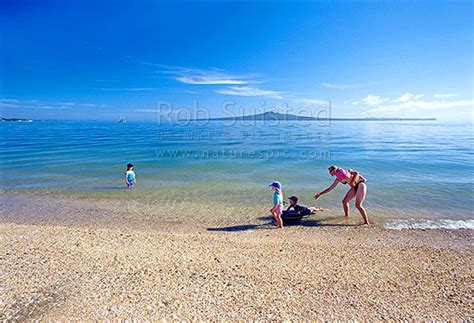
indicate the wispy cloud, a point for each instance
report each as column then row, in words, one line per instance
column 202, row 76
column 409, row 97
column 38, row 104
column 9, row 100
column 346, row 86
column 445, row 95
column 128, row 89
column 186, row 91
column 373, row 100
column 145, row 110
column 212, row 79
column 8, row 105
column 237, row 84
column 17, row 103
column 13, row 101
column 250, row 91
column 352, row 102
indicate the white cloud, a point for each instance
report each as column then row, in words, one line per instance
column 373, row 100
column 433, row 105
column 413, row 104
column 347, row 86
column 409, row 97
column 213, row 77
column 250, row 91
column 445, row 95
column 210, row 80
column 202, row 76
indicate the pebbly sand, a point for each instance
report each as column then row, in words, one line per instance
column 82, row 259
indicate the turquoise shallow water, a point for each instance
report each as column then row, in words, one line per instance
column 416, row 171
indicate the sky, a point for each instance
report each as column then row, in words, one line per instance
column 99, row 60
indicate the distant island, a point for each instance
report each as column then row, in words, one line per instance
column 275, row 116
column 14, row 120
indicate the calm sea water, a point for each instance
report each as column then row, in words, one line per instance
column 420, row 174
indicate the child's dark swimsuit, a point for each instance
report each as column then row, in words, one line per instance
column 299, row 209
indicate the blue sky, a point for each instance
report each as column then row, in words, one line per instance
column 87, row 60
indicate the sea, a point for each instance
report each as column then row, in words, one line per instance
column 420, row 174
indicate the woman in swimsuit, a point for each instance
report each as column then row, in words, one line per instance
column 358, row 189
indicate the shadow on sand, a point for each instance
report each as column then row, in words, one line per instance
column 270, row 225
column 238, row 228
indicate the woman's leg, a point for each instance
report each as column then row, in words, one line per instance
column 360, row 197
column 345, row 202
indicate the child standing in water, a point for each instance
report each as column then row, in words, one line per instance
column 277, row 203
column 130, row 178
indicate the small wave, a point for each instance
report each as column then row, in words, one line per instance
column 430, row 224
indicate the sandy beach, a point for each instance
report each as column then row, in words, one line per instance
column 86, row 260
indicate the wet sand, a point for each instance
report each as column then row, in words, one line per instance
column 84, row 259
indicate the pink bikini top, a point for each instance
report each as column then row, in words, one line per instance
column 341, row 174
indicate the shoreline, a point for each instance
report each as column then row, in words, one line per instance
column 90, row 261
column 193, row 214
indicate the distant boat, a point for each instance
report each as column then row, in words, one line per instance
column 122, row 119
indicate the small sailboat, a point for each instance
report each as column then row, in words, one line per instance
column 122, row 119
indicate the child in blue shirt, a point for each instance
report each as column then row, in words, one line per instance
column 277, row 203
column 130, row 178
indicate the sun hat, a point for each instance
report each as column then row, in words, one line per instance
column 276, row 185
